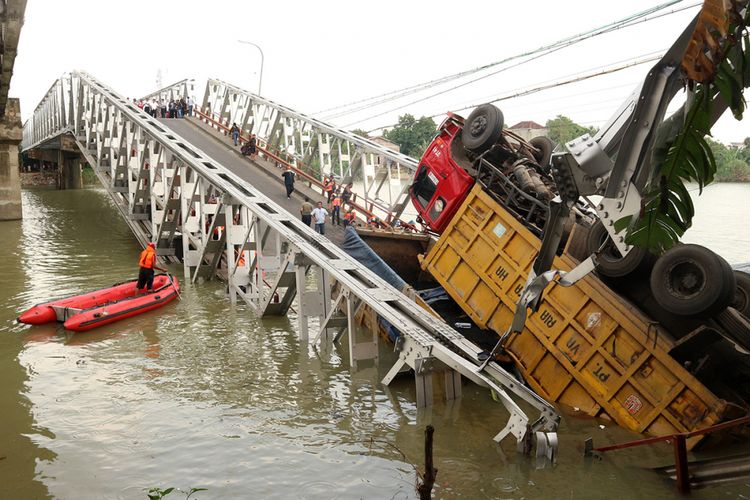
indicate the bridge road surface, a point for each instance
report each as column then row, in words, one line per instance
column 261, row 174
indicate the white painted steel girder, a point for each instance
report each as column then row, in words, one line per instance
column 380, row 176
column 184, row 88
column 166, row 188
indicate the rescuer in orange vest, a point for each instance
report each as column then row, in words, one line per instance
column 349, row 218
column 147, row 264
column 329, row 185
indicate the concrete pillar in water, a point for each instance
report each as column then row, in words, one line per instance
column 70, row 171
column 11, row 132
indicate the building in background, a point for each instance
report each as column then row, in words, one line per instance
column 529, row 129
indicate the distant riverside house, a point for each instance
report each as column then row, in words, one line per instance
column 386, row 143
column 374, row 162
column 529, row 129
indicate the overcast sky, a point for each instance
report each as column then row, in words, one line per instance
column 324, row 53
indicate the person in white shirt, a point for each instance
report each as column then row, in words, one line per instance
column 319, row 216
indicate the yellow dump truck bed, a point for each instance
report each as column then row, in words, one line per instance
column 585, row 347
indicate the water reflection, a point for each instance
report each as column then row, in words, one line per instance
column 203, row 394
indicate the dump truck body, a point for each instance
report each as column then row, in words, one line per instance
column 585, row 347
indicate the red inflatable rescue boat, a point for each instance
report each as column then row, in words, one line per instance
column 101, row 307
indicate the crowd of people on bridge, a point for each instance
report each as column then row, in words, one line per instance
column 337, row 199
column 179, row 108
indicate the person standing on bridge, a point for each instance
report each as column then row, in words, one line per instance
column 147, row 264
column 288, row 176
column 306, row 212
column 252, row 146
column 336, row 210
column 329, row 185
column 320, row 214
column 235, row 133
column 346, row 195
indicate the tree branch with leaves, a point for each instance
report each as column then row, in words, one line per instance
column 686, row 156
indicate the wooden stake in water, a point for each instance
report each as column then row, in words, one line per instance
column 425, row 489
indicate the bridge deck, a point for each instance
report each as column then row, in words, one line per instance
column 262, row 174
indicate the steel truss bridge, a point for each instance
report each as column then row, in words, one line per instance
column 204, row 215
column 380, row 176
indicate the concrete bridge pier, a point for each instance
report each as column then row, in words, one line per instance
column 70, row 168
column 11, row 132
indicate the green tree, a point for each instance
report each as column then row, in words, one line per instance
column 731, row 162
column 412, row 135
column 360, row 132
column 562, row 129
column 737, row 171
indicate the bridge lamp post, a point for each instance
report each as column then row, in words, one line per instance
column 260, row 80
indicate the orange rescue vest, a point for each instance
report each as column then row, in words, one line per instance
column 241, row 255
column 148, row 258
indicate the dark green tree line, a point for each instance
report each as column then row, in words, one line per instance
column 411, row 134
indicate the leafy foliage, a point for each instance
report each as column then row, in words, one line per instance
column 732, row 162
column 667, row 209
column 562, row 129
column 412, row 135
column 159, row 493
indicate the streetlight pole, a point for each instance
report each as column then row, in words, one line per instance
column 260, row 80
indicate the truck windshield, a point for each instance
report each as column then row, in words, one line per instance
column 424, row 186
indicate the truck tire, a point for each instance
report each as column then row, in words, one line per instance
column 691, row 280
column 741, row 299
column 545, row 147
column 609, row 261
column 482, row 128
column 736, row 325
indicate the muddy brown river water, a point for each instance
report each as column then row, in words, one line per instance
column 203, row 394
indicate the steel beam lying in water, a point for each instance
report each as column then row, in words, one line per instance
column 167, row 190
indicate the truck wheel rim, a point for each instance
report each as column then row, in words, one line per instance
column 686, row 279
column 478, row 126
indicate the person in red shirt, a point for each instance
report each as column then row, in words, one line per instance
column 147, row 264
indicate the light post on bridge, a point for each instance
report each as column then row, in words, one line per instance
column 260, row 80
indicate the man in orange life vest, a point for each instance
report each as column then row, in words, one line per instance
column 147, row 265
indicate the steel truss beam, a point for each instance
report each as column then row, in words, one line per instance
column 184, row 88
column 166, row 189
column 380, row 176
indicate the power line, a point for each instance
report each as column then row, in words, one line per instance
column 625, row 22
column 550, row 99
column 493, row 97
column 447, row 90
column 556, row 84
column 539, row 52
